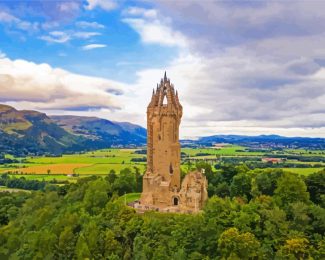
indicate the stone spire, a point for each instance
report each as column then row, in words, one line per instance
column 165, row 90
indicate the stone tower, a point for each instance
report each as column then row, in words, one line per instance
column 162, row 182
column 164, row 115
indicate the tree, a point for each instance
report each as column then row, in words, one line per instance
column 266, row 180
column 201, row 165
column 221, row 211
column 82, row 250
column 96, row 196
column 242, row 168
column 228, row 171
column 139, row 179
column 222, row 190
column 234, row 245
column 299, row 214
column 295, row 248
column 290, row 188
column 241, row 186
column 316, row 186
column 111, row 177
column 126, row 182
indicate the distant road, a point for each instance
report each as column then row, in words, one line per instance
column 5, row 189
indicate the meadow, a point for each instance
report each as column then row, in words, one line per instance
column 70, row 167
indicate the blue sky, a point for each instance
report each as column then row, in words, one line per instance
column 116, row 41
column 241, row 67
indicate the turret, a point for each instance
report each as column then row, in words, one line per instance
column 165, row 90
column 163, row 120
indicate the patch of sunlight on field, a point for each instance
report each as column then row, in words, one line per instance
column 305, row 152
column 302, row 171
column 13, row 167
column 5, row 189
column 52, row 168
column 105, row 156
column 6, row 169
column 129, row 197
column 45, row 177
column 106, row 168
column 310, row 163
column 227, row 150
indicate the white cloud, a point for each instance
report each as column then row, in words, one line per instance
column 92, row 25
column 243, row 74
column 142, row 12
column 153, row 28
column 320, row 74
column 85, row 35
column 68, row 6
column 65, row 36
column 249, row 68
column 2, row 55
column 155, row 32
column 56, row 36
column 50, row 25
column 107, row 5
column 234, row 94
column 8, row 18
column 39, row 86
column 93, row 46
column 11, row 20
column 213, row 102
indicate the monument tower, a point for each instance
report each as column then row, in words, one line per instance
column 164, row 115
column 162, row 189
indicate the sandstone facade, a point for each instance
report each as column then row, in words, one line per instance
column 162, row 187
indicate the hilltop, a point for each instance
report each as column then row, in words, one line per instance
column 25, row 132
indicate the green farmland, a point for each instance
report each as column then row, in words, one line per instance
column 73, row 166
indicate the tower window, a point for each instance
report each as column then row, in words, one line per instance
column 165, row 100
column 171, row 170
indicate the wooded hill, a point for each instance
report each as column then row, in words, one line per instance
column 31, row 132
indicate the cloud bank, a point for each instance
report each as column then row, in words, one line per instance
column 240, row 66
column 244, row 66
column 39, row 86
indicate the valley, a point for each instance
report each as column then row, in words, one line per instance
column 70, row 167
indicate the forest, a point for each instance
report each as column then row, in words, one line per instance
column 250, row 214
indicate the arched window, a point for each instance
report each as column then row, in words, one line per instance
column 171, row 170
column 165, row 101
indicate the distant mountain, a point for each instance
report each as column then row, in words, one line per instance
column 31, row 132
column 260, row 141
column 102, row 130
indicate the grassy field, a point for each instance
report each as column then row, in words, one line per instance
column 227, row 150
column 5, row 189
column 60, row 168
column 101, row 162
column 46, row 177
column 306, row 152
column 102, row 168
column 129, row 197
column 303, row 171
column 97, row 162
